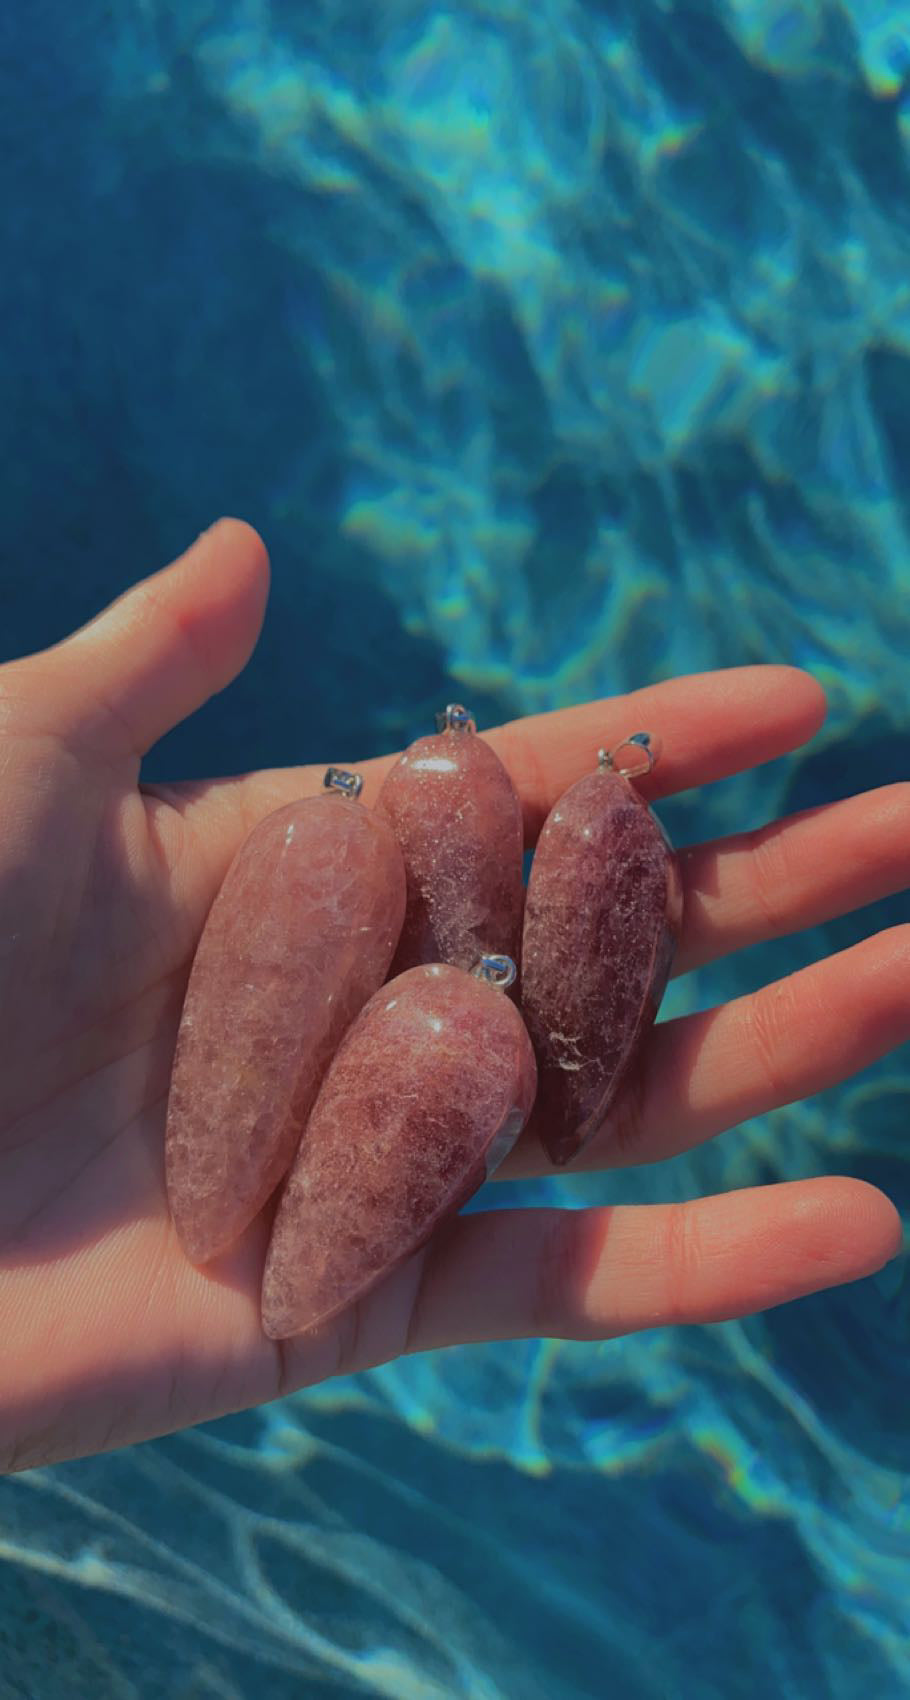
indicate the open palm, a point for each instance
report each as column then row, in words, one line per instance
column 109, row 1334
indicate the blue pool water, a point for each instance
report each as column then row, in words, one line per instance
column 554, row 348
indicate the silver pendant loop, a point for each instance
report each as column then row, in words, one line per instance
column 456, row 719
column 644, row 748
column 339, row 779
column 497, row 971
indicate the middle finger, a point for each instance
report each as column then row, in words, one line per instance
column 794, row 873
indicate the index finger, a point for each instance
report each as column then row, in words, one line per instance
column 711, row 725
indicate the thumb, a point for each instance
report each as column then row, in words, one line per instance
column 162, row 649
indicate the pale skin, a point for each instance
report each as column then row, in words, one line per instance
column 110, row 1336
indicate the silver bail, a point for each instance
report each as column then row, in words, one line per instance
column 646, row 748
column 498, row 971
column 339, row 779
column 454, row 718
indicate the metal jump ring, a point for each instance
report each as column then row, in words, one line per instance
column 339, row 779
column 498, row 971
column 647, row 748
column 454, row 718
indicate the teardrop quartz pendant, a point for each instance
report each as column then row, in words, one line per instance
column 455, row 813
column 602, row 918
column 427, row 1094
column 300, row 935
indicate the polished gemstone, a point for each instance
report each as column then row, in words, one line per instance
column 427, row 1094
column 602, row 918
column 299, row 937
column 458, row 820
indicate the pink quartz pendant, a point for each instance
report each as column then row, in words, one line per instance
column 300, row 935
column 602, row 918
column 455, row 813
column 428, row 1092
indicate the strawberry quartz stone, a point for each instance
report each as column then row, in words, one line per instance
column 455, row 813
column 300, row 935
column 428, row 1092
column 602, row 919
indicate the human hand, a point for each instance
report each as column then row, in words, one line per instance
column 110, row 1335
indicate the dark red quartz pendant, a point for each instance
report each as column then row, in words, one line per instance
column 602, row 918
column 427, row 1093
column 454, row 811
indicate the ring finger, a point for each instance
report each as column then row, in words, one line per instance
column 703, row 1073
